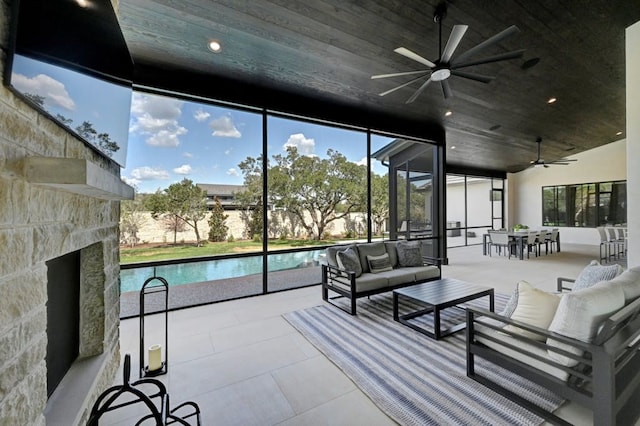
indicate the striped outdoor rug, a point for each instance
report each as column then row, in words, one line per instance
column 412, row 378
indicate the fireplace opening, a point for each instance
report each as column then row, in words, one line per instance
column 63, row 316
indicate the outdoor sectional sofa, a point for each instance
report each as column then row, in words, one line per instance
column 365, row 269
column 589, row 353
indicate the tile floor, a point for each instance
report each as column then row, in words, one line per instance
column 245, row 365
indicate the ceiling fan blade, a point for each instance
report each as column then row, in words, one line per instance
column 409, row 54
column 501, row 57
column 446, row 90
column 401, row 86
column 397, row 74
column 454, row 39
column 417, row 92
column 497, row 38
column 473, row 76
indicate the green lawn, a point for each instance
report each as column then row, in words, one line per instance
column 181, row 251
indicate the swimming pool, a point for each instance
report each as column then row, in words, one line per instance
column 187, row 273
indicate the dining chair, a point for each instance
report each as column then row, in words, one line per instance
column 542, row 239
column 502, row 240
column 552, row 238
column 605, row 244
column 532, row 243
column 615, row 242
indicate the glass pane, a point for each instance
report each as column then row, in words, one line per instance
column 479, row 202
column 456, row 210
column 317, row 192
column 379, row 187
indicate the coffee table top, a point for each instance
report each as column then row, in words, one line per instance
column 443, row 291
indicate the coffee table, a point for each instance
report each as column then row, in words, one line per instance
column 439, row 295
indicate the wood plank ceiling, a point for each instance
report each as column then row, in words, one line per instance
column 306, row 51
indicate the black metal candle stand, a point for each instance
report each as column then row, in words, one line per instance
column 154, row 285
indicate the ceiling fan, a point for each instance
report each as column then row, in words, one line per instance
column 539, row 162
column 446, row 66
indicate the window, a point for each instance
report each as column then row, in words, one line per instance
column 585, row 205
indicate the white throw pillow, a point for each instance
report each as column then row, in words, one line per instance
column 580, row 314
column 535, row 307
column 629, row 280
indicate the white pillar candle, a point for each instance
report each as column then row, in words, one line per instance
column 155, row 357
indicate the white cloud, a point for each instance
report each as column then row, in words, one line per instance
column 201, row 115
column 227, row 151
column 362, row 162
column 149, row 173
column 305, row 146
column 224, row 127
column 131, row 181
column 157, row 118
column 53, row 91
column 233, row 172
column 187, row 155
column 185, row 169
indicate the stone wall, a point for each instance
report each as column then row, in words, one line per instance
column 38, row 224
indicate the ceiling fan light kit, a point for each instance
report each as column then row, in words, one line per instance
column 446, row 66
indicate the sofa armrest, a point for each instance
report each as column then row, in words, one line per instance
column 342, row 276
column 560, row 287
column 436, row 261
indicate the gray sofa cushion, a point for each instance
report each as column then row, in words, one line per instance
column 333, row 250
column 371, row 281
column 409, row 253
column 369, row 249
column 422, row 273
column 390, row 246
column 399, row 276
column 349, row 261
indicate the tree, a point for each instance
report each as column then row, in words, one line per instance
column 315, row 191
column 379, row 201
column 217, row 228
column 131, row 219
column 183, row 200
column 173, row 224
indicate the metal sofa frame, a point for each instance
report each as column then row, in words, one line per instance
column 607, row 377
column 332, row 275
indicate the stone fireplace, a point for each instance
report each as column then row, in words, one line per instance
column 57, row 197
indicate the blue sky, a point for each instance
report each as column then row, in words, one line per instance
column 78, row 97
column 171, row 139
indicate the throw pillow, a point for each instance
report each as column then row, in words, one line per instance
column 629, row 280
column 535, row 307
column 508, row 309
column 380, row 263
column 349, row 261
column 333, row 251
column 409, row 253
column 580, row 314
column 595, row 273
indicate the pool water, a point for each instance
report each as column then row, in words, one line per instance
column 187, row 273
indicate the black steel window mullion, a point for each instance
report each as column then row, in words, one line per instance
column 265, row 195
column 369, row 224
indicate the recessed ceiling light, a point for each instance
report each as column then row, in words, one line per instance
column 618, row 134
column 82, row 3
column 448, row 113
column 453, row 147
column 551, row 100
column 215, row 46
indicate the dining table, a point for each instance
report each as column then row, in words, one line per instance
column 520, row 237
